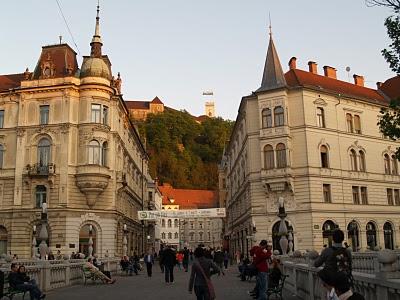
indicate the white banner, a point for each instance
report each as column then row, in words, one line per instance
column 182, row 214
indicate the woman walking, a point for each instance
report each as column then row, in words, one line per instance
column 200, row 278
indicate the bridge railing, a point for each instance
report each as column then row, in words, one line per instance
column 376, row 275
column 53, row 274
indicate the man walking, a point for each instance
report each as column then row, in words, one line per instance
column 169, row 262
column 149, row 261
column 260, row 261
column 185, row 259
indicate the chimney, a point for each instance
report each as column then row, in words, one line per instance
column 330, row 72
column 378, row 85
column 358, row 80
column 312, row 67
column 292, row 63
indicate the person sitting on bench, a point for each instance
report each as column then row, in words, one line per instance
column 20, row 282
column 94, row 270
column 275, row 273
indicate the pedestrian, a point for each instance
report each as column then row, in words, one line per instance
column 186, row 259
column 149, row 261
column 260, row 261
column 226, row 259
column 343, row 289
column 200, row 277
column 169, row 262
column 219, row 258
column 160, row 258
column 179, row 259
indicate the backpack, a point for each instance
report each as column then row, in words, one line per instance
column 341, row 262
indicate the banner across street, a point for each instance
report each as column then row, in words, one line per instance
column 182, row 214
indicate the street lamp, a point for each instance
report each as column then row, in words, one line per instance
column 125, row 241
column 90, row 249
column 43, row 234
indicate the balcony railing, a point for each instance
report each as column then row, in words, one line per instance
column 41, row 170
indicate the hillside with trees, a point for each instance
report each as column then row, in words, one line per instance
column 183, row 152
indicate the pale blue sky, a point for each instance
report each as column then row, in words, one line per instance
column 176, row 49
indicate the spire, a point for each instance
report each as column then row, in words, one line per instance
column 273, row 76
column 96, row 40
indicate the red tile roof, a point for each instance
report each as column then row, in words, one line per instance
column 189, row 199
column 137, row 104
column 10, row 81
column 296, row 78
column 391, row 87
column 157, row 100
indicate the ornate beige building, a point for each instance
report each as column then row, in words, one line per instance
column 66, row 139
column 313, row 140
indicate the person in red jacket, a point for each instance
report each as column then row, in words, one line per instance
column 260, row 261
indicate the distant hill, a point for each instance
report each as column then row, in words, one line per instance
column 183, row 152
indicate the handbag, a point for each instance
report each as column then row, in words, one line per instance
column 210, row 286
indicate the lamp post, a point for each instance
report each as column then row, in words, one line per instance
column 34, row 242
column 283, row 231
column 125, row 241
column 90, row 249
column 43, row 234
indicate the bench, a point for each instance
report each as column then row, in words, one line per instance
column 277, row 290
column 87, row 275
column 10, row 292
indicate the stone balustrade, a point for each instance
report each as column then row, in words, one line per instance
column 53, row 274
column 376, row 275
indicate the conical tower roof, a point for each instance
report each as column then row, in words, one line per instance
column 273, row 76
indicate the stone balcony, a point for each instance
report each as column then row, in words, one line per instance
column 92, row 180
column 38, row 170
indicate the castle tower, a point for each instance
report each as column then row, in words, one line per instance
column 209, row 105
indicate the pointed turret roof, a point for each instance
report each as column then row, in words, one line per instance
column 273, row 76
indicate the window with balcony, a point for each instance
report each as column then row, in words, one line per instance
column 362, row 161
column 324, row 157
column 1, row 156
column 269, row 157
column 356, row 194
column 395, row 166
column 389, row 193
column 320, row 117
column 169, row 235
column 364, row 195
column 94, row 156
column 349, row 123
column 44, row 152
column 1, row 118
column 353, row 160
column 169, row 223
column 281, row 156
column 163, row 235
column 44, row 114
column 96, row 113
column 357, row 124
column 266, row 118
column 386, row 159
column 279, row 116
column 176, row 236
column 105, row 115
column 41, row 195
column 327, row 193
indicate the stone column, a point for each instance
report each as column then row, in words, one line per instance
column 125, row 242
column 34, row 242
column 90, row 241
column 43, row 234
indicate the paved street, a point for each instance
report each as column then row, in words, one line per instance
column 142, row 287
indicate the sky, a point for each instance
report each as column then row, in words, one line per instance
column 177, row 49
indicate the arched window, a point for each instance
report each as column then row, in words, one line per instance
column 162, row 223
column 327, row 232
column 176, row 235
column 353, row 160
column 266, row 118
column 163, row 235
column 395, row 170
column 269, row 161
column 169, row 223
column 104, row 154
column 357, row 124
column 320, row 117
column 353, row 236
column 371, row 235
column 94, row 153
column 169, row 235
column 324, row 157
column 279, row 116
column 349, row 122
column 362, row 161
column 386, row 158
column 281, row 156
column 1, row 157
column 387, row 234
column 3, row 240
column 41, row 195
column 176, row 223
column 44, row 152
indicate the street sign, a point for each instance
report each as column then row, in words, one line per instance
column 182, row 214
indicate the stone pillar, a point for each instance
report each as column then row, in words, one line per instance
column 43, row 234
column 34, row 251
column 124, row 242
column 90, row 249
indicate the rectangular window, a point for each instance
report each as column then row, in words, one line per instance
column 349, row 122
column 397, row 197
column 327, row 193
column 320, row 117
column 105, row 115
column 44, row 114
column 41, row 192
column 96, row 112
column 364, row 195
column 1, row 118
column 357, row 124
column 389, row 196
column 356, row 195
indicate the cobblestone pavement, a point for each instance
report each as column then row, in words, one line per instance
column 228, row 287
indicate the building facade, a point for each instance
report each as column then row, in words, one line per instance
column 66, row 140
column 313, row 141
column 138, row 110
